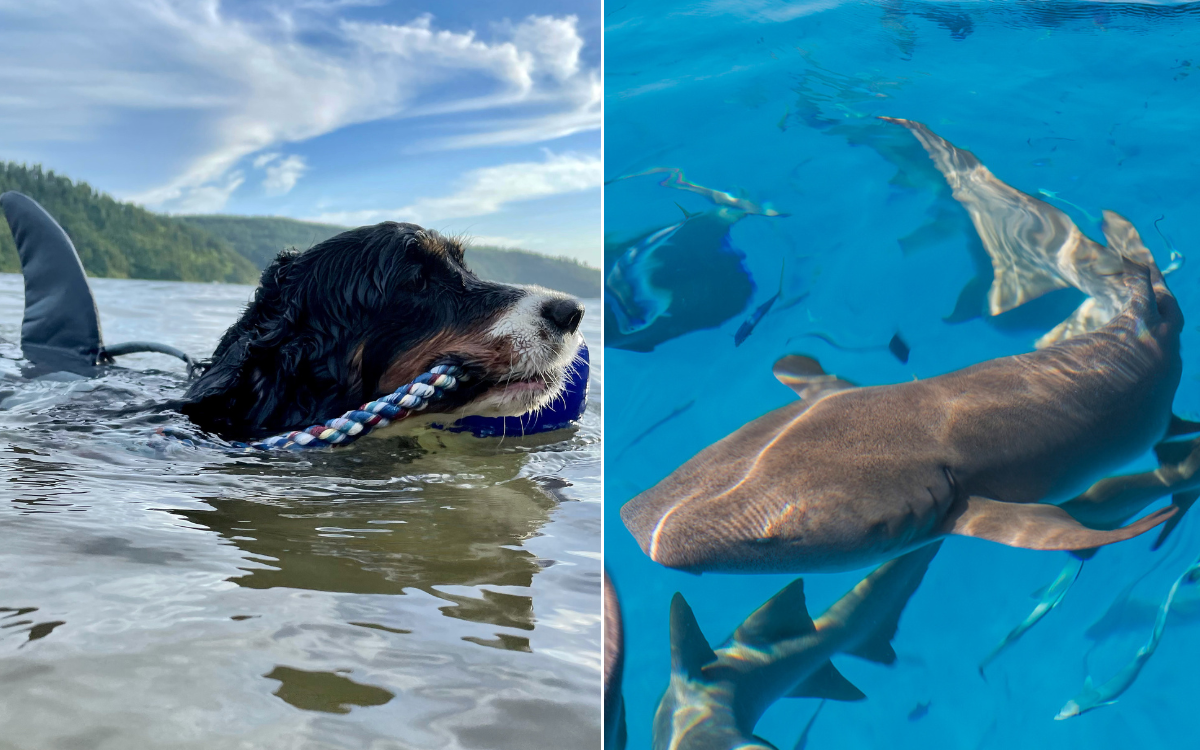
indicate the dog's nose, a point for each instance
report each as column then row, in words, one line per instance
column 563, row 314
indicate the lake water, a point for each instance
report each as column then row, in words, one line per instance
column 1088, row 106
column 385, row 595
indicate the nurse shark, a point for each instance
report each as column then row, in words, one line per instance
column 715, row 697
column 849, row 476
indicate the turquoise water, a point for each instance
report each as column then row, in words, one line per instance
column 1094, row 104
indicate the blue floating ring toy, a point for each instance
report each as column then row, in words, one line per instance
column 566, row 410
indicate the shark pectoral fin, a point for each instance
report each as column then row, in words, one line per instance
column 805, row 376
column 1181, row 426
column 784, row 616
column 829, row 683
column 1183, row 501
column 1038, row 526
column 689, row 649
column 1175, row 452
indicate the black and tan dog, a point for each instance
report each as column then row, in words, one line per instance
column 329, row 328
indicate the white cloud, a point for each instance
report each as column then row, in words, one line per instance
column 263, row 160
column 283, row 175
column 253, row 87
column 210, row 197
column 487, row 190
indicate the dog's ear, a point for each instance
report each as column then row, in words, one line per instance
column 268, row 373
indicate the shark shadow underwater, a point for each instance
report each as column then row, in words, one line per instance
column 849, row 476
column 680, row 278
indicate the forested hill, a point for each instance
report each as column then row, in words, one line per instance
column 260, row 238
column 118, row 239
column 122, row 240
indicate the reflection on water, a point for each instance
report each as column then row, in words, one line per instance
column 424, row 591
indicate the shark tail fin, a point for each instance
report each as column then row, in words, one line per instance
column 61, row 329
column 891, row 585
column 784, row 616
column 827, row 682
column 689, row 649
column 1023, row 235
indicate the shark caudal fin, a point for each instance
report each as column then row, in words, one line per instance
column 689, row 648
column 1035, row 247
column 61, row 329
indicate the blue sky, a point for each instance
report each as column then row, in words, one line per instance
column 478, row 117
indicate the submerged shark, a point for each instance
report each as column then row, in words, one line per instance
column 1048, row 599
column 848, row 476
column 1094, row 696
column 715, row 697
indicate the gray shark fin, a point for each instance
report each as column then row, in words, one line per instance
column 1037, row 526
column 879, row 648
column 686, row 213
column 829, row 683
column 1181, row 426
column 689, row 649
column 804, row 375
column 1175, row 452
column 61, row 330
column 1183, row 501
column 783, row 617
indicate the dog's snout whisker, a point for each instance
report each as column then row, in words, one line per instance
column 564, row 314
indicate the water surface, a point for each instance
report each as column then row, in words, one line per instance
column 442, row 593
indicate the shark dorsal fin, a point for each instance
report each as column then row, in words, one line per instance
column 689, row 649
column 804, row 375
column 783, row 617
column 829, row 683
column 686, row 213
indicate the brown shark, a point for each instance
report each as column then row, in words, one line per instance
column 848, row 476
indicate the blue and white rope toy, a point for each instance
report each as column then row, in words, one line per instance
column 406, row 400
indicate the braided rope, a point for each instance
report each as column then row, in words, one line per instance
column 406, row 400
